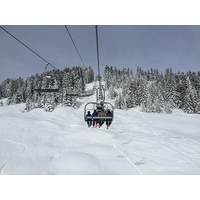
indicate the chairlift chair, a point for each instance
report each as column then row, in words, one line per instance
column 47, row 90
column 103, row 107
column 100, row 106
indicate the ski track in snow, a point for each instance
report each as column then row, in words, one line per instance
column 121, row 152
column 170, row 145
column 13, row 157
column 167, row 145
column 175, row 145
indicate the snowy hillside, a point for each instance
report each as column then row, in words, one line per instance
column 59, row 142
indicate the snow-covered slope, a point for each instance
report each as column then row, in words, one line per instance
column 59, row 142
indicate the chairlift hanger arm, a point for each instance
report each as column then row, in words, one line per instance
column 97, row 45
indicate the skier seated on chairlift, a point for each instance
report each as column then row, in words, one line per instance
column 89, row 121
column 95, row 114
column 108, row 121
column 101, row 114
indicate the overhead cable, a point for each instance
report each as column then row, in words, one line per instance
column 74, row 45
column 28, row 47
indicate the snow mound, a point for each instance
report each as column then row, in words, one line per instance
column 59, row 142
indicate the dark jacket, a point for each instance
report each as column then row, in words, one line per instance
column 89, row 115
column 95, row 114
column 109, row 114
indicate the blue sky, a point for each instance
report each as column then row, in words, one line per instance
column 121, row 46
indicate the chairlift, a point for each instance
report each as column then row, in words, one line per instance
column 105, row 109
column 101, row 106
column 47, row 90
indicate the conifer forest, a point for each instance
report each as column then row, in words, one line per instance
column 152, row 90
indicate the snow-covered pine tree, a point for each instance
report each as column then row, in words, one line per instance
column 79, row 82
column 131, row 95
column 191, row 100
column 68, row 85
column 169, row 88
column 141, row 90
column 120, row 102
column 108, row 75
column 153, row 102
column 28, row 106
column 112, row 93
column 29, row 88
column 180, row 90
column 10, row 90
column 112, row 81
column 37, row 84
column 18, row 95
column 88, row 75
